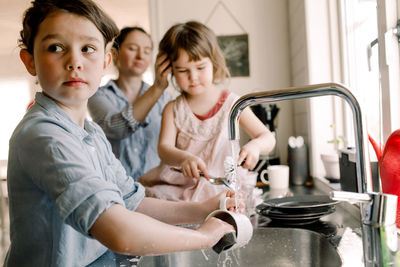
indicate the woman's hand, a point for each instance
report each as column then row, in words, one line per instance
column 163, row 67
column 249, row 155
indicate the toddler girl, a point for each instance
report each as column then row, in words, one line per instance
column 194, row 131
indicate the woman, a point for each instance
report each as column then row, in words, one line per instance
column 128, row 109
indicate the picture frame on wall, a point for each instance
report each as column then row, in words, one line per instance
column 236, row 52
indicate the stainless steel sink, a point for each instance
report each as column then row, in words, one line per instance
column 269, row 247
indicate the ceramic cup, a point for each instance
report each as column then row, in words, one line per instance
column 278, row 176
column 241, row 223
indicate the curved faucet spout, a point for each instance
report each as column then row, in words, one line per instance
column 364, row 178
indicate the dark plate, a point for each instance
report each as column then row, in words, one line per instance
column 294, row 219
column 294, row 222
column 277, row 213
column 304, row 204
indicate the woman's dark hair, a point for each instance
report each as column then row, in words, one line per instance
column 198, row 41
column 41, row 9
column 124, row 33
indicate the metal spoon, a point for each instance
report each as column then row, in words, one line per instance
column 213, row 180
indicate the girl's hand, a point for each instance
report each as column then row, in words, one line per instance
column 162, row 69
column 249, row 155
column 193, row 166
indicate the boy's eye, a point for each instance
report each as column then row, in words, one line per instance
column 182, row 71
column 88, row 49
column 55, row 48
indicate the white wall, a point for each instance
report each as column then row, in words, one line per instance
column 315, row 58
column 265, row 22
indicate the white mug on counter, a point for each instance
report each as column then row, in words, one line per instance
column 278, row 176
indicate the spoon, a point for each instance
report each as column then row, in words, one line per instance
column 213, row 180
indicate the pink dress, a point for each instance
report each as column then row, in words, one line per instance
column 207, row 139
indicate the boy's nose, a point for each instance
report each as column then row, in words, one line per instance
column 74, row 67
column 74, row 62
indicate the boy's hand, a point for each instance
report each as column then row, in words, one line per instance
column 230, row 203
column 214, row 229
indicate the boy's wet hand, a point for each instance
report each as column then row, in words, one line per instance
column 214, row 229
column 231, row 202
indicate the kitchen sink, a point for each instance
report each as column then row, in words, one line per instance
column 269, row 247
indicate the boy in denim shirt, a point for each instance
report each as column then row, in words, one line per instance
column 71, row 202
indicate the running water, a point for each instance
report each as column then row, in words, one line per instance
column 228, row 258
column 204, row 254
column 230, row 168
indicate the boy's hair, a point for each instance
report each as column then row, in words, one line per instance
column 198, row 41
column 124, row 33
column 41, row 9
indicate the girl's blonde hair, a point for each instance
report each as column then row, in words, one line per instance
column 198, row 41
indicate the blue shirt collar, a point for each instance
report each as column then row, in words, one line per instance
column 49, row 105
column 112, row 85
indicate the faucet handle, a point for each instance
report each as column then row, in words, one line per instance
column 377, row 209
column 350, row 197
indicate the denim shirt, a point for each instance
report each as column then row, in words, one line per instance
column 133, row 143
column 61, row 177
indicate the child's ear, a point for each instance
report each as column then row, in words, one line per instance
column 114, row 52
column 107, row 59
column 27, row 59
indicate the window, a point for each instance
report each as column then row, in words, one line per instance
column 14, row 99
column 370, row 61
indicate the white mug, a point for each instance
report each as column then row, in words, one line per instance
column 278, row 176
column 241, row 223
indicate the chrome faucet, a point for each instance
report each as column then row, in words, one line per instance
column 378, row 233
